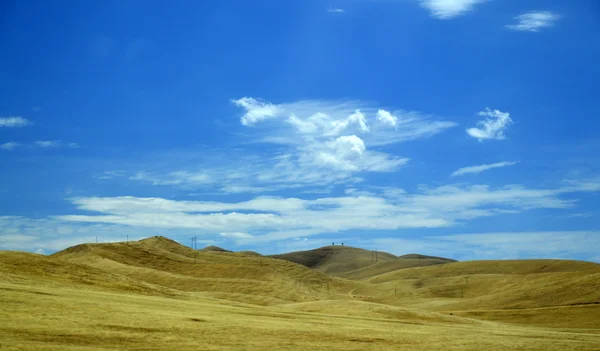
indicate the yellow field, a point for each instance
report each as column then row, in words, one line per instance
column 151, row 295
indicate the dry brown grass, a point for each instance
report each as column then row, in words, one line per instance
column 151, row 295
column 355, row 263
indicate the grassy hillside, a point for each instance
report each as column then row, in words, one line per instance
column 158, row 294
column 64, row 318
column 354, row 263
column 241, row 277
column 507, row 290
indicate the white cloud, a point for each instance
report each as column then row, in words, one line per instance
column 481, row 168
column 236, row 235
column 48, row 143
column 13, row 122
column 73, row 145
column 493, row 127
column 385, row 117
column 445, row 9
column 182, row 178
column 9, row 146
column 296, row 122
column 277, row 219
column 310, row 143
column 256, row 111
column 280, row 218
column 111, row 174
column 534, row 21
column 336, row 10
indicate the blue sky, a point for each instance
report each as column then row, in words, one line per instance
column 461, row 128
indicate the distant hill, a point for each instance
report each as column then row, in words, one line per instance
column 500, row 290
column 545, row 292
column 245, row 277
column 214, row 249
column 355, row 263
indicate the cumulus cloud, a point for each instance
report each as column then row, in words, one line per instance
column 481, row 168
column 445, row 9
column 534, row 21
column 14, row 122
column 311, row 143
column 385, row 117
column 9, row 146
column 256, row 111
column 493, row 127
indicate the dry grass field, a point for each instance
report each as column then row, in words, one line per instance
column 156, row 294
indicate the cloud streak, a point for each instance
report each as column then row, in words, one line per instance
column 14, row 122
column 277, row 218
column 534, row 21
column 446, row 9
column 480, row 168
column 9, row 146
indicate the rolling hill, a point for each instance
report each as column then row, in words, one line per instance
column 355, row 263
column 158, row 294
column 237, row 276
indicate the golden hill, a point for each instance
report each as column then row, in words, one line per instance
column 355, row 263
column 508, row 288
column 154, row 293
column 237, row 276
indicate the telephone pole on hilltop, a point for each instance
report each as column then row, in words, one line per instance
column 195, row 247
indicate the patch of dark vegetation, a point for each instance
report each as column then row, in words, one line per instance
column 425, row 257
column 585, row 303
column 214, row 249
column 367, row 340
column 198, row 320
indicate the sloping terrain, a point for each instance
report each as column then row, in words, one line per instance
column 509, row 288
column 355, row 263
column 158, row 294
column 240, row 277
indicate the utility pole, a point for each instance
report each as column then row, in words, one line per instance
column 127, row 239
column 194, row 247
column 96, row 240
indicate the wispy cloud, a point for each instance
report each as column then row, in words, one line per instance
column 534, row 21
column 47, row 143
column 492, row 127
column 9, row 146
column 277, row 218
column 54, row 144
column 14, row 122
column 310, row 143
column 445, row 9
column 173, row 178
column 235, row 235
column 336, row 10
column 481, row 168
column 111, row 174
